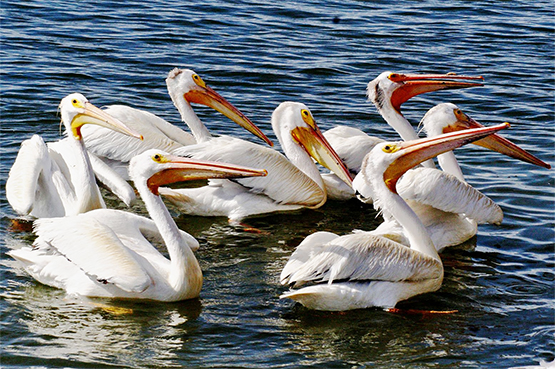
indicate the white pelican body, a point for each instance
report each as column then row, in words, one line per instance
column 449, row 207
column 57, row 179
column 367, row 269
column 184, row 87
column 291, row 184
column 104, row 253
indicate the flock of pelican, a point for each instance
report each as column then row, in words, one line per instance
column 87, row 249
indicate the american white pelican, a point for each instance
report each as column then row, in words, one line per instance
column 292, row 183
column 450, row 208
column 185, row 87
column 362, row 270
column 387, row 92
column 104, row 253
column 57, row 179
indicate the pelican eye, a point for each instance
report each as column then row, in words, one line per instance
column 76, row 103
column 308, row 119
column 395, row 77
column 158, row 158
column 198, row 80
column 460, row 115
column 389, row 148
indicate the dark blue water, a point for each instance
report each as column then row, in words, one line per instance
column 258, row 54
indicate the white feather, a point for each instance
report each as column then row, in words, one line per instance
column 445, row 192
column 293, row 182
column 157, row 133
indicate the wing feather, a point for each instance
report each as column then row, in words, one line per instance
column 111, row 179
column 103, row 256
column 24, row 174
column 351, row 144
column 364, row 257
column 445, row 192
column 310, row 247
column 285, row 183
column 35, row 181
column 135, row 227
column 157, row 133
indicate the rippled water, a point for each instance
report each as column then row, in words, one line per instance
column 258, row 54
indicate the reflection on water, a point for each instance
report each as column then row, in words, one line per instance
column 370, row 339
column 61, row 329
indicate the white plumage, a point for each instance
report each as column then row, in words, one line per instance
column 106, row 253
column 184, row 87
column 293, row 182
column 387, row 92
column 450, row 208
column 368, row 269
column 57, row 179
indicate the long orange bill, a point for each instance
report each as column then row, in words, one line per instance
column 94, row 115
column 208, row 97
column 316, row 145
column 416, row 84
column 417, row 151
column 186, row 169
column 496, row 143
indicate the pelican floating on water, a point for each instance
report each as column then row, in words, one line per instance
column 362, row 270
column 104, row 253
column 449, row 207
column 184, row 87
column 451, row 219
column 57, row 179
column 293, row 182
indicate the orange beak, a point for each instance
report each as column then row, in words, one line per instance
column 416, row 84
column 206, row 96
column 495, row 142
column 186, row 169
column 315, row 144
column 416, row 151
column 94, row 115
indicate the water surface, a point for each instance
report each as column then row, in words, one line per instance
column 258, row 54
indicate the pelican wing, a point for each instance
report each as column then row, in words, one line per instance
column 285, row 183
column 157, row 134
column 111, row 179
column 351, row 144
column 65, row 179
column 102, row 256
column 136, row 227
column 307, row 249
column 445, row 192
column 22, row 180
column 362, row 257
column 35, row 182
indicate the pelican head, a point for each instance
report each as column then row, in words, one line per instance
column 393, row 89
column 159, row 168
column 76, row 111
column 447, row 117
column 296, row 120
column 186, row 84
